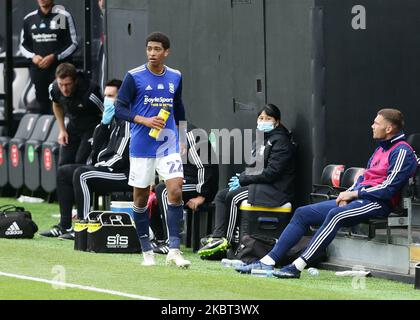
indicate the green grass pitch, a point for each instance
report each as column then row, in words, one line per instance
column 205, row 280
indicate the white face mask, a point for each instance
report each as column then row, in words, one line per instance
column 265, row 126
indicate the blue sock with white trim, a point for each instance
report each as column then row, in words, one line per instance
column 141, row 219
column 175, row 215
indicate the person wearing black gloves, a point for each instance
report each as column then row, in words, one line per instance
column 48, row 38
column 271, row 187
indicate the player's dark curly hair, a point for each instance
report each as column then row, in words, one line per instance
column 159, row 37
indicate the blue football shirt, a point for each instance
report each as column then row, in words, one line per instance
column 145, row 93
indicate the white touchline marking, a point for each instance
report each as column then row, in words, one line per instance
column 77, row 286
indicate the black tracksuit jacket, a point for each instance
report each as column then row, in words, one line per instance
column 274, row 185
column 52, row 33
column 110, row 146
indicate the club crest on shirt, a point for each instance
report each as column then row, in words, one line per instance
column 53, row 24
column 171, row 88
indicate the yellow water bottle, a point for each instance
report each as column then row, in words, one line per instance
column 164, row 114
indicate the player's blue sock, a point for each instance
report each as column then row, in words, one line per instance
column 141, row 219
column 175, row 214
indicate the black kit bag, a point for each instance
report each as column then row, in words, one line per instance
column 255, row 247
column 252, row 248
column 16, row 223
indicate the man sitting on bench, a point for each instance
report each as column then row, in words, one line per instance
column 374, row 194
column 106, row 171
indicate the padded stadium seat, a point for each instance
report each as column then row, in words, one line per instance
column 49, row 160
column 16, row 149
column 350, row 176
column 32, row 163
column 330, row 185
column 4, row 146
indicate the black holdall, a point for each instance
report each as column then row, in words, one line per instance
column 16, row 223
column 253, row 247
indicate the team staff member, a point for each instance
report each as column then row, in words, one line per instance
column 78, row 98
column 144, row 92
column 48, row 38
column 374, row 194
column 107, row 172
column 273, row 186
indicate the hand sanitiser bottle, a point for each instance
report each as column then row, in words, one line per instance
column 164, row 114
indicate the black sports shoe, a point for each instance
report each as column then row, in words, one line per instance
column 160, row 246
column 67, row 236
column 55, row 231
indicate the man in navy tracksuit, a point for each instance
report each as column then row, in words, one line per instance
column 374, row 194
column 48, row 38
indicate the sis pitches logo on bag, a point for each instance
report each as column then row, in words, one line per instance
column 117, row 241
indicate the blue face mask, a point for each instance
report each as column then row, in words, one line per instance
column 109, row 110
column 265, row 126
column 108, row 103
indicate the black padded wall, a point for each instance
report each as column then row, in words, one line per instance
column 289, row 80
column 367, row 69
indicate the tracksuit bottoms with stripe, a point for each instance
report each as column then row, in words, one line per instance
column 331, row 218
column 76, row 183
column 227, row 206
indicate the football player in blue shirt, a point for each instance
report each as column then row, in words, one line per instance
column 146, row 91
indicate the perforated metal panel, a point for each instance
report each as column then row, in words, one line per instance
column 127, row 30
column 248, row 61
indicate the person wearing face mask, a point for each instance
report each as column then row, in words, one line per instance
column 106, row 169
column 271, row 187
column 374, row 195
